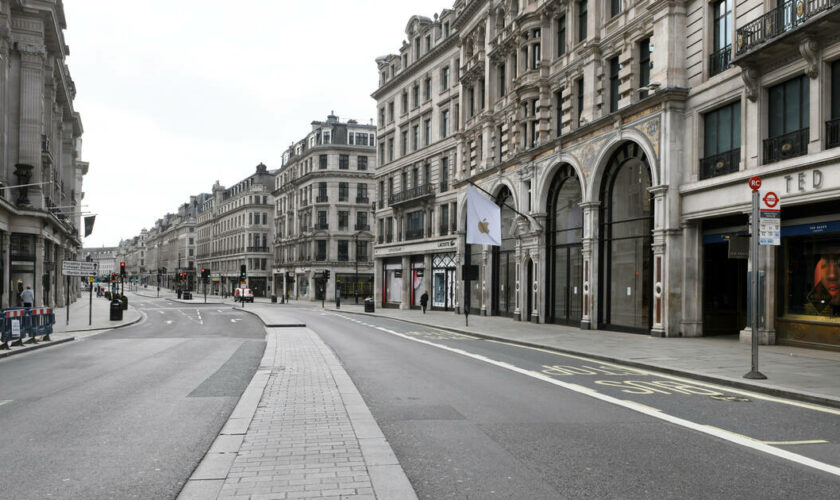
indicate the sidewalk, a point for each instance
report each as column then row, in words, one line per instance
column 78, row 326
column 794, row 372
column 300, row 429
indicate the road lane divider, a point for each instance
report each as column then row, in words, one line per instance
column 722, row 434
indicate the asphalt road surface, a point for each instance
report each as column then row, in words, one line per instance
column 127, row 413
column 472, row 418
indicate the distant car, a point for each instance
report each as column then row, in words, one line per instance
column 243, row 295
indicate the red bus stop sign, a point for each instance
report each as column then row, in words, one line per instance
column 755, row 183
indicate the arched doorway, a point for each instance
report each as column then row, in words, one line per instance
column 564, row 290
column 504, row 261
column 626, row 253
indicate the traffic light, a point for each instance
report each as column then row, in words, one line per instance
column 242, row 273
column 122, row 268
column 205, row 273
column 326, row 274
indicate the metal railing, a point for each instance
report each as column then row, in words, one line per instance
column 780, row 20
column 362, row 199
column 720, row 164
column 444, row 186
column 362, row 227
column 786, row 146
column 414, row 234
column 720, row 60
column 832, row 133
column 444, row 230
column 258, row 249
column 322, row 225
column 321, row 198
column 411, row 194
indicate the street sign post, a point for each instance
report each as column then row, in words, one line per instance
column 755, row 185
column 770, row 220
column 78, row 268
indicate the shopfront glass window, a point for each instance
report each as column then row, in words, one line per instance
column 812, row 269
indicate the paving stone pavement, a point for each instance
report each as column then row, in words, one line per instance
column 300, row 430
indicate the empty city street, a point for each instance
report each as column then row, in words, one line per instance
column 472, row 418
column 126, row 413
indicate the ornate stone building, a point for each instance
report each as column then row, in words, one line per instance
column 419, row 103
column 323, row 193
column 234, row 229
column 41, row 169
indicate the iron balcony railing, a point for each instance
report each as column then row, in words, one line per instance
column 720, row 60
column 343, row 257
column 411, row 194
column 321, row 198
column 258, row 249
column 720, row 164
column 832, row 133
column 362, row 199
column 362, row 227
column 444, row 186
column 778, row 21
column 786, row 146
column 444, row 230
column 320, row 256
column 322, row 225
column 414, row 234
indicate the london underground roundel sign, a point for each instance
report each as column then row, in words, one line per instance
column 755, row 183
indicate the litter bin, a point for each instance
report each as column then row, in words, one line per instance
column 116, row 310
column 124, row 302
column 108, row 295
column 369, row 305
column 179, row 293
column 273, row 299
column 187, row 295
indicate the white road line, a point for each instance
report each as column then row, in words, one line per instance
column 169, row 322
column 705, row 429
column 5, row 401
column 234, row 320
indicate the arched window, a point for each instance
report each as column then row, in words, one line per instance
column 564, row 297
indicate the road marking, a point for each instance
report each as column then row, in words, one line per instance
column 833, row 411
column 705, row 429
column 169, row 322
column 807, row 441
column 234, row 320
column 4, row 401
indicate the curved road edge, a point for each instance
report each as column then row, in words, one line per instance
column 386, row 475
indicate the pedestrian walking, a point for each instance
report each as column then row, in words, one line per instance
column 424, row 299
column 27, row 297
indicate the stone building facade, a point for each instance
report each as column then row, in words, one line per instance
column 419, row 129
column 618, row 138
column 234, row 228
column 323, row 195
column 41, row 168
column 170, row 248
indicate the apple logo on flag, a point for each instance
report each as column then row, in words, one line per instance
column 484, row 226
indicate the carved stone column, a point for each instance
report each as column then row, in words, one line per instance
column 660, row 263
column 589, row 253
column 406, row 283
column 32, row 59
column 37, row 286
column 691, row 322
column 485, row 277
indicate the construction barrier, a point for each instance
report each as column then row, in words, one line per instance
column 19, row 323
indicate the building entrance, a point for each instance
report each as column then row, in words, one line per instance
column 724, row 291
column 504, row 261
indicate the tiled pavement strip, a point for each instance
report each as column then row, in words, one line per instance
column 300, row 430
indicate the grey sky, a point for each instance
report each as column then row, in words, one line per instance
column 175, row 94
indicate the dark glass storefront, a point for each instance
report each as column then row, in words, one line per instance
column 22, row 267
column 504, row 261
column 443, row 281
column 626, row 253
column 564, row 299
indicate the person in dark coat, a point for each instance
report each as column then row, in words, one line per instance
column 424, row 299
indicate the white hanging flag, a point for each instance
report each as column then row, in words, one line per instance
column 484, row 219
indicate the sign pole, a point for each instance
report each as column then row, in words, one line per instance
column 67, row 304
column 755, row 184
column 90, row 305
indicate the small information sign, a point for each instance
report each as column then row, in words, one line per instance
column 77, row 268
column 770, row 220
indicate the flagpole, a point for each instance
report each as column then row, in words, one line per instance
column 493, row 198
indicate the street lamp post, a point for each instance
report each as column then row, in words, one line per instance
column 356, row 275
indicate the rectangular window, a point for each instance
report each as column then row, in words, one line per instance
column 444, row 219
column 502, row 80
column 390, row 149
column 380, row 235
column 444, row 78
column 444, row 123
column 427, row 134
column 721, row 141
column 444, row 174
column 343, row 218
column 361, row 251
column 391, row 111
column 471, row 102
column 361, row 192
column 579, row 91
column 427, row 88
column 644, row 66
column 414, row 225
column 343, row 162
column 427, row 173
column 832, row 138
column 722, row 37
column 404, row 102
column 322, row 192
column 582, row 12
column 361, row 162
column 428, row 43
column 416, row 94
column 615, row 67
column 558, row 112
column 561, row 36
column 535, row 49
column 615, row 7
column 415, row 137
column 389, row 230
column 320, row 250
column 343, row 191
column 322, row 162
column 788, row 108
column 404, row 142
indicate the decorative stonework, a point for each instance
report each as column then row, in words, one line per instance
column 586, row 155
column 809, row 48
column 650, row 129
column 750, row 75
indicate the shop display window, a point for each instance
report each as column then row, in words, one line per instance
column 812, row 271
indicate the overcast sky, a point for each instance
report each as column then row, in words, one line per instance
column 176, row 94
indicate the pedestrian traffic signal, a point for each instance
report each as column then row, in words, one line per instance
column 242, row 273
column 122, row 268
